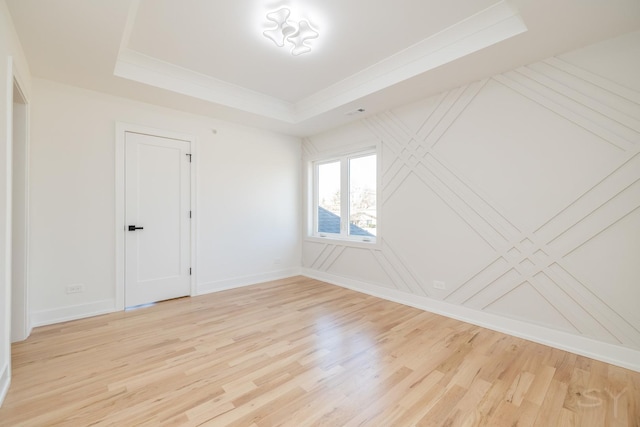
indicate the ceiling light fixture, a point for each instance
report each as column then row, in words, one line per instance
column 296, row 34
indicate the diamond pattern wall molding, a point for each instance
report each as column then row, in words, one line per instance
column 537, row 171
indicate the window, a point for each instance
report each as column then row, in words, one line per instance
column 345, row 197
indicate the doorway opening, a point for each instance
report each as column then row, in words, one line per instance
column 20, row 319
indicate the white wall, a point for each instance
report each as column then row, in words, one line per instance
column 12, row 62
column 248, row 199
column 521, row 193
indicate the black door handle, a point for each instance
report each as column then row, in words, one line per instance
column 134, row 228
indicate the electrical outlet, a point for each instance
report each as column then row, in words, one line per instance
column 75, row 289
column 439, row 285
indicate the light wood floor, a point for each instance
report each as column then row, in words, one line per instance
column 299, row 352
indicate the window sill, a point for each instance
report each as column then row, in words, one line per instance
column 374, row 243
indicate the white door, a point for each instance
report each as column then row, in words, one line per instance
column 157, row 227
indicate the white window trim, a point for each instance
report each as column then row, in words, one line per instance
column 312, row 172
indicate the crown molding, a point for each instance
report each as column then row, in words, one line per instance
column 486, row 28
column 136, row 66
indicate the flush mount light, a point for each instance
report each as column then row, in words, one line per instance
column 282, row 29
column 295, row 33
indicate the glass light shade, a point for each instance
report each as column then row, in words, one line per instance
column 299, row 38
column 282, row 29
column 296, row 34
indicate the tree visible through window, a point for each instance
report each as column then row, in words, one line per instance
column 329, row 197
column 362, row 195
column 346, row 199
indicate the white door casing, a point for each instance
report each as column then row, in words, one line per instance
column 154, row 190
column 20, row 321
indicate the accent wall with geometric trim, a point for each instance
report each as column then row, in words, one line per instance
column 520, row 192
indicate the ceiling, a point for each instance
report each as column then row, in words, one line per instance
column 210, row 57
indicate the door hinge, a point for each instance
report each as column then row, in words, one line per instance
column 189, row 157
column 189, row 214
column 189, row 271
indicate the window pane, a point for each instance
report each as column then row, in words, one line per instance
column 329, row 198
column 362, row 196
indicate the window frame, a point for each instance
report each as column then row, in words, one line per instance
column 345, row 207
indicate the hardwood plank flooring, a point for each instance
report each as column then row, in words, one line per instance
column 299, row 352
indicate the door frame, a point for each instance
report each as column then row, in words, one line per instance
column 121, row 130
column 21, row 310
column 14, row 77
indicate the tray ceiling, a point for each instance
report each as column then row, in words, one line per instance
column 210, row 58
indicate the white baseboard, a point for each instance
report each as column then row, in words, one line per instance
column 606, row 352
column 73, row 312
column 81, row 311
column 5, row 381
column 238, row 282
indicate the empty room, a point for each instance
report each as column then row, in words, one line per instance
column 320, row 213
